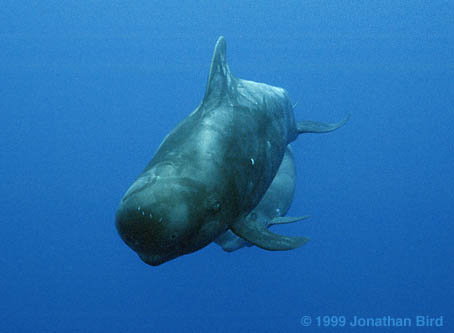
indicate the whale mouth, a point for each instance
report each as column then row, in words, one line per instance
column 157, row 259
column 153, row 260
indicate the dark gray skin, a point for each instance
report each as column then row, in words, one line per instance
column 212, row 170
column 272, row 208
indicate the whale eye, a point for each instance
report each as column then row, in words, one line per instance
column 212, row 205
column 216, row 207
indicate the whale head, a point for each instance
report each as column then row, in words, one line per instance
column 163, row 216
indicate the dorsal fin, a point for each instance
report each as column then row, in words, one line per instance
column 220, row 79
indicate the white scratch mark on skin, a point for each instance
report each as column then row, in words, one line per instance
column 252, row 161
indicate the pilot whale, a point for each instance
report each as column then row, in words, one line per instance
column 213, row 169
column 273, row 206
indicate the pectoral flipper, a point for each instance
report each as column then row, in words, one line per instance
column 259, row 235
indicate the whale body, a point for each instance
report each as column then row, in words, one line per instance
column 273, row 206
column 213, row 169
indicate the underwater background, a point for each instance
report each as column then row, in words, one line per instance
column 88, row 90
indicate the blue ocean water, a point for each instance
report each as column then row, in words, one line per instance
column 88, row 90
